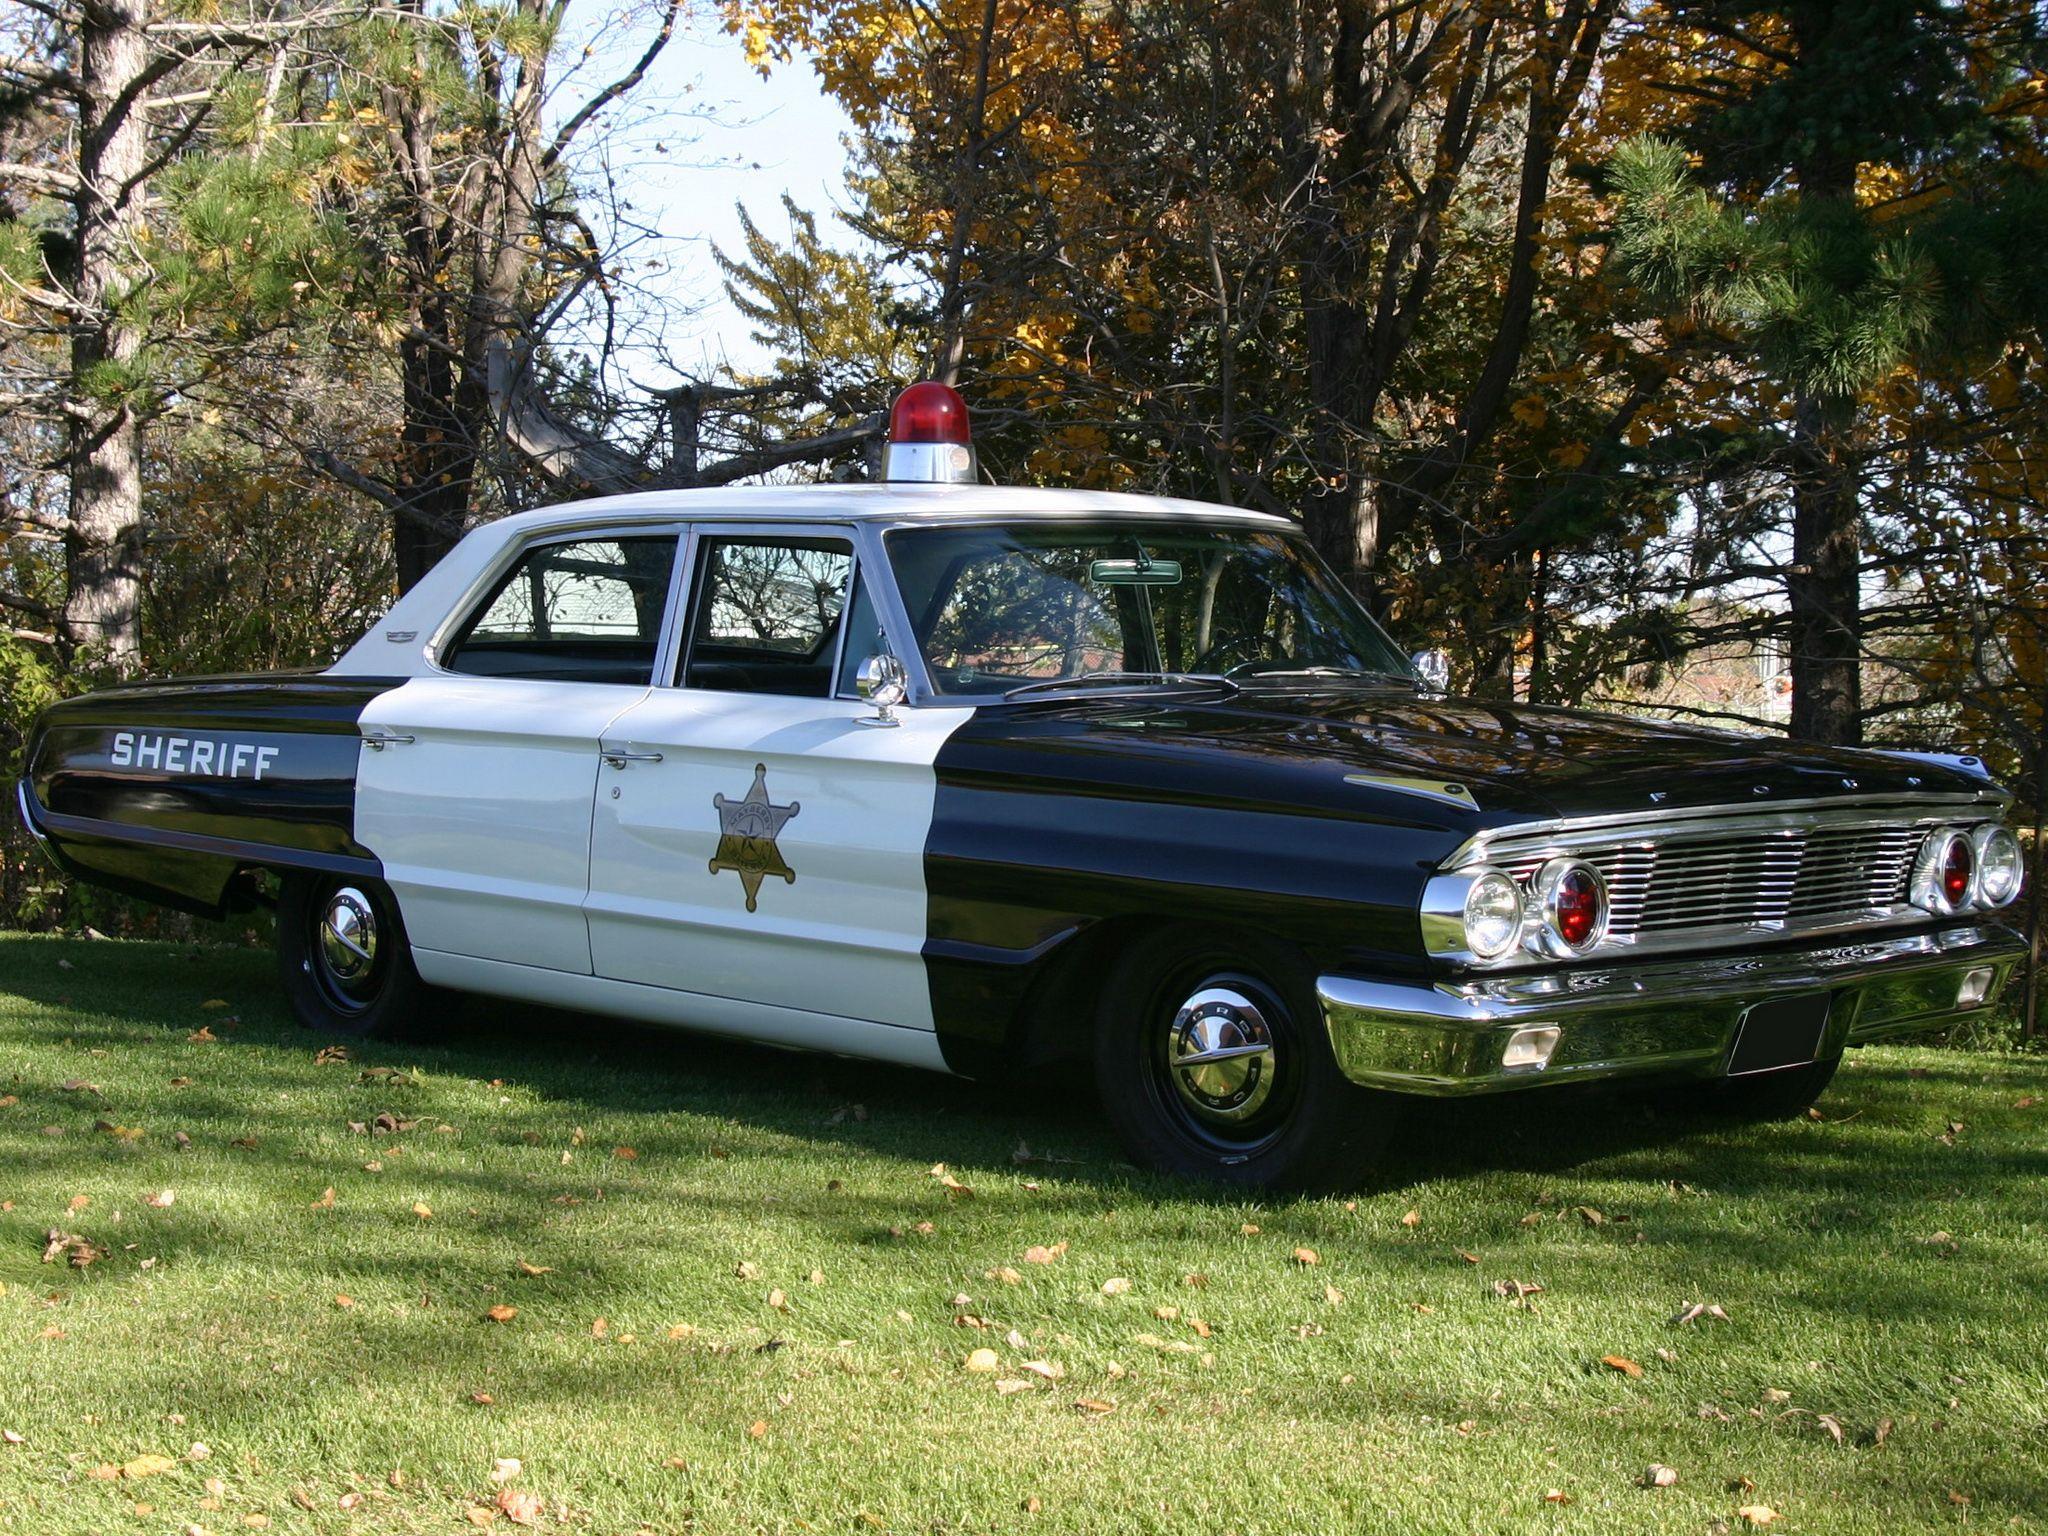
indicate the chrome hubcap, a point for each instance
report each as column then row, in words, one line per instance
column 1219, row 1056
column 348, row 936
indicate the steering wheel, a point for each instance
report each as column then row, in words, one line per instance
column 1244, row 647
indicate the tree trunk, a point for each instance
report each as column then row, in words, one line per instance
column 1824, row 591
column 438, row 455
column 102, row 550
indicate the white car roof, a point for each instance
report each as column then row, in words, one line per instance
column 867, row 502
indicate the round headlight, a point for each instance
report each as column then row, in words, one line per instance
column 1572, row 897
column 1945, row 874
column 2000, row 865
column 1493, row 914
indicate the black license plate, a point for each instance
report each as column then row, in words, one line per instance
column 1785, row 1032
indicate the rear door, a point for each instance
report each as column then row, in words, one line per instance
column 758, row 837
column 476, row 781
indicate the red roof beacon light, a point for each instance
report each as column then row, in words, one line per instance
column 929, row 439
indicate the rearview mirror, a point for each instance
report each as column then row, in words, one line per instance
column 1434, row 668
column 1134, row 573
column 880, row 681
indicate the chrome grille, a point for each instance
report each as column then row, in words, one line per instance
column 1742, row 876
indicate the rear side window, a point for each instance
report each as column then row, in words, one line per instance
column 586, row 611
column 767, row 616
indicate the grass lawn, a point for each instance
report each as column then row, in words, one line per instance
column 737, row 1297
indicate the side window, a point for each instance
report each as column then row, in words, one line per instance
column 767, row 615
column 585, row 611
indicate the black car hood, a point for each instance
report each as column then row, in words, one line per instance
column 1521, row 760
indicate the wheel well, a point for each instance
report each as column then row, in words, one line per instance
column 1057, row 1019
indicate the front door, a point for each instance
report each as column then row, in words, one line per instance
column 755, row 838
column 476, row 783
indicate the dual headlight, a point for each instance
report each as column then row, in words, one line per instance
column 1960, row 868
column 1563, row 913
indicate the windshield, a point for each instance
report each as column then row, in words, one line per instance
column 996, row 607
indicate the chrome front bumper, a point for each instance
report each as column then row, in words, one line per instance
column 1672, row 1017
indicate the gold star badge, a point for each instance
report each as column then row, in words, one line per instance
column 747, row 829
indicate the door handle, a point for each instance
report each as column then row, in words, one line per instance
column 620, row 759
column 385, row 739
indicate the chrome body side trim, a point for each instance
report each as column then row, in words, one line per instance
column 1442, row 791
column 1446, row 1038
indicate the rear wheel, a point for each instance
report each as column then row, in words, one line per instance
column 1212, row 1063
column 343, row 956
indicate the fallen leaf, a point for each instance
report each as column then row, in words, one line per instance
column 344, row 1302
column 1333, row 1296
column 625, row 1154
column 1201, row 1328
column 1306, row 1257
column 983, row 1361
column 1516, row 1289
column 1008, row 1386
column 1557, row 1496
column 1960, row 1500
column 1591, row 1217
column 1095, row 1405
column 601, row 1329
column 758, row 1428
column 1832, row 1425
column 746, row 1270
column 1777, row 1395
column 326, row 1200
column 1694, row 1311
column 1882, row 1433
column 147, row 1465
column 535, row 1269
column 13, row 1437
column 1044, row 1255
column 1412, row 1219
column 501, row 1313
column 160, row 1199
column 1048, row 1369
column 682, row 1330
column 1757, row 1514
column 1621, row 1363
column 778, row 1301
column 1469, row 1258
column 421, row 1209
column 481, row 1515
column 202, row 1036
column 1116, row 1285
column 519, row 1507
column 505, row 1468
column 1659, row 1476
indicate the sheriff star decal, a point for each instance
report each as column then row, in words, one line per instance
column 747, row 830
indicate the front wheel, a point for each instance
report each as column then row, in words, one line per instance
column 343, row 957
column 1212, row 1062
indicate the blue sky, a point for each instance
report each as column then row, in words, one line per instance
column 703, row 133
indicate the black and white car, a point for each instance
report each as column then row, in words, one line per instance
column 979, row 779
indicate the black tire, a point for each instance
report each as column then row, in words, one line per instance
column 329, row 988
column 1786, row 1094
column 1284, row 1119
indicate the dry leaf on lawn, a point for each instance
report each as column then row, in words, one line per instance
column 1411, row 1219
column 1621, row 1363
column 1757, row 1514
column 502, row 1313
column 519, row 1507
column 1095, row 1405
column 535, row 1269
column 983, row 1361
column 1116, row 1285
column 1659, row 1476
column 147, row 1465
column 1307, row 1257
column 1039, row 1254
column 421, row 1209
column 505, row 1468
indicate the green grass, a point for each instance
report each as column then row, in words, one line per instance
column 1419, row 1401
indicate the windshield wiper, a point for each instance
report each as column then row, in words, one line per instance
column 1114, row 679
column 1263, row 671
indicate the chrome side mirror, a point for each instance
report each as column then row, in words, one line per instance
column 1434, row 668
column 880, row 681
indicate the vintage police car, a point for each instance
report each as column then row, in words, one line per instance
column 979, row 779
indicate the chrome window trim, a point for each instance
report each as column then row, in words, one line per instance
column 1442, row 905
